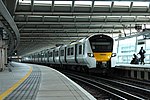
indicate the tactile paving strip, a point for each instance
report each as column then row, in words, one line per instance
column 29, row 88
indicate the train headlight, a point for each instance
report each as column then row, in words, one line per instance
column 90, row 54
column 113, row 54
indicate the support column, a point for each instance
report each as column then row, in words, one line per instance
column 146, row 75
column 126, row 73
column 3, row 51
column 5, row 47
column 1, row 54
column 138, row 74
column 132, row 74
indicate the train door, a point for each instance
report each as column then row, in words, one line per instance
column 65, row 54
column 59, row 51
column 76, row 53
column 38, row 57
column 48, row 56
column 54, row 56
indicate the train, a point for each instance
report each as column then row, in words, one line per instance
column 93, row 53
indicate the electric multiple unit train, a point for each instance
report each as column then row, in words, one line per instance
column 93, row 52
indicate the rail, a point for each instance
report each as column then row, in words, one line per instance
column 115, row 89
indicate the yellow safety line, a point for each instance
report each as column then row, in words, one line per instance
column 8, row 91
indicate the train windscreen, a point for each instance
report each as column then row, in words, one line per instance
column 101, row 43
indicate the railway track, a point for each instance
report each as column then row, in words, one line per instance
column 114, row 88
column 139, row 83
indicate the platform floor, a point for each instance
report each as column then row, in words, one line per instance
column 36, row 82
column 134, row 65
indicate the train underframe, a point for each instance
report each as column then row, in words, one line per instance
column 101, row 67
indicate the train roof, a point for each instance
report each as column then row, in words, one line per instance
column 72, row 43
column 97, row 34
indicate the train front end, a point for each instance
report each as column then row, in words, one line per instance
column 102, row 47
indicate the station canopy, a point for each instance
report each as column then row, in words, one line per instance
column 45, row 23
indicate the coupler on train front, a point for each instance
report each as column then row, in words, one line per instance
column 102, row 68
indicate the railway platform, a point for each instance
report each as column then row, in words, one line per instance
column 36, row 82
column 136, row 71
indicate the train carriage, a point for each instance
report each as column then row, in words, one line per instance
column 81, row 52
column 36, row 57
column 71, row 54
column 51, row 56
column 56, row 56
column 63, row 54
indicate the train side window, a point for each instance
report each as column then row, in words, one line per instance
column 72, row 51
column 62, row 53
column 68, row 53
column 83, row 48
column 80, row 49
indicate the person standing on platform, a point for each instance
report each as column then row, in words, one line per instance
column 142, row 52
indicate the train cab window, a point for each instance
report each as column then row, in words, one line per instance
column 80, row 49
column 101, row 46
column 62, row 53
column 72, row 51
